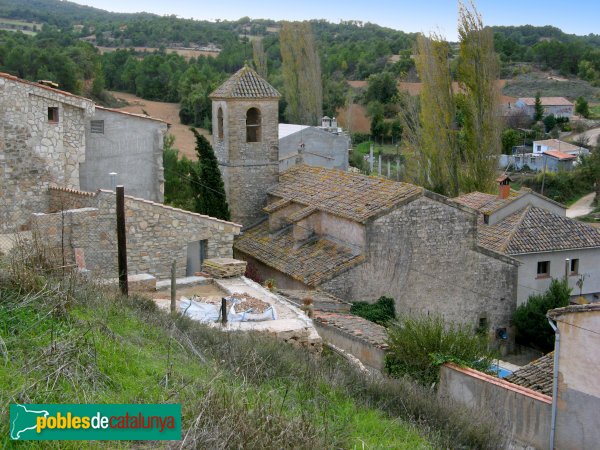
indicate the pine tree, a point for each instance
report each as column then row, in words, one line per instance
column 538, row 108
column 209, row 191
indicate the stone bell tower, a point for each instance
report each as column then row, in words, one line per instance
column 246, row 142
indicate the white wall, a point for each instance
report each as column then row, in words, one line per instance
column 529, row 283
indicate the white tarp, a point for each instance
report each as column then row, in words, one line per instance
column 208, row 312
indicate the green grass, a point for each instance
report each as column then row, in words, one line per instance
column 117, row 350
column 386, row 149
column 595, row 111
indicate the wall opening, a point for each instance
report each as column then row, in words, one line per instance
column 97, row 126
column 253, row 125
column 196, row 254
column 220, row 123
column 543, row 269
column 53, row 114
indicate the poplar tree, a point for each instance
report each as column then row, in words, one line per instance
column 479, row 102
column 538, row 108
column 301, row 71
column 259, row 58
column 207, row 184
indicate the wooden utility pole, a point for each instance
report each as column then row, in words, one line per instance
column 174, row 286
column 122, row 241
column 223, row 311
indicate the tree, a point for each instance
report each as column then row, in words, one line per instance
column 209, row 191
column 530, row 318
column 581, row 107
column 478, row 71
column 510, row 138
column 259, row 58
column 538, row 108
column 549, row 122
column 381, row 87
column 301, row 71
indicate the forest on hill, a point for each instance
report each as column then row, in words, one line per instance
column 65, row 51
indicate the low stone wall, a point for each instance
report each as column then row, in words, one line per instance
column 523, row 414
column 156, row 234
column 361, row 338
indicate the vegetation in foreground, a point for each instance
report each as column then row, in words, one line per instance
column 382, row 312
column 65, row 340
column 419, row 345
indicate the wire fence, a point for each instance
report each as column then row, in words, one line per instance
column 68, row 237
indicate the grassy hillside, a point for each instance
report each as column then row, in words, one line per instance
column 65, row 340
column 527, row 85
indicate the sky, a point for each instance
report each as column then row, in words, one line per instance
column 576, row 17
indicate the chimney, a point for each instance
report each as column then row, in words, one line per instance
column 503, row 186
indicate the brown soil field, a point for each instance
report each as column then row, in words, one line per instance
column 169, row 112
column 187, row 54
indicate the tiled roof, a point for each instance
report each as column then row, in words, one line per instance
column 535, row 230
column 487, row 203
column 547, row 101
column 559, row 155
column 127, row 113
column 536, row 375
column 245, row 83
column 349, row 195
column 362, row 329
column 311, row 263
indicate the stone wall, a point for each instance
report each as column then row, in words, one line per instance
column 34, row 151
column 424, row 255
column 249, row 169
column 522, row 414
column 131, row 146
column 156, row 234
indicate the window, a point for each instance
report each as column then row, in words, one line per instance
column 543, row 269
column 574, row 266
column 97, row 126
column 53, row 114
column 220, row 123
column 253, row 125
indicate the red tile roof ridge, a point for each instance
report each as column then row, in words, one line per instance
column 140, row 116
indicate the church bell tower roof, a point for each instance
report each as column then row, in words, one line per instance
column 245, row 84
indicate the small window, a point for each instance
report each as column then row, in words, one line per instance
column 253, row 125
column 220, row 123
column 574, row 266
column 53, row 114
column 97, row 126
column 543, row 269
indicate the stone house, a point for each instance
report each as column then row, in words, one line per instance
column 559, row 106
column 325, row 146
column 42, row 141
column 535, row 231
column 83, row 224
column 49, row 137
column 360, row 237
column 130, row 145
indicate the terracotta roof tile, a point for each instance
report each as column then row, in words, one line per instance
column 535, row 230
column 311, row 263
column 245, row 83
column 547, row 101
column 487, row 203
column 349, row 195
column 559, row 155
column 536, row 375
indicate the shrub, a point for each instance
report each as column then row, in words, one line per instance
column 419, row 345
column 530, row 320
column 359, row 138
column 382, row 311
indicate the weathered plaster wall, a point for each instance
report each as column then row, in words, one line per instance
column 578, row 419
column 130, row 146
column 156, row 234
column 35, row 152
column 423, row 254
column 522, row 414
column 249, row 169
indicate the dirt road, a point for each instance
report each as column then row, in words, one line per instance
column 169, row 112
column 593, row 136
column 582, row 207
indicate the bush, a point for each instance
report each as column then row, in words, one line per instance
column 359, row 138
column 419, row 345
column 530, row 320
column 382, row 311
